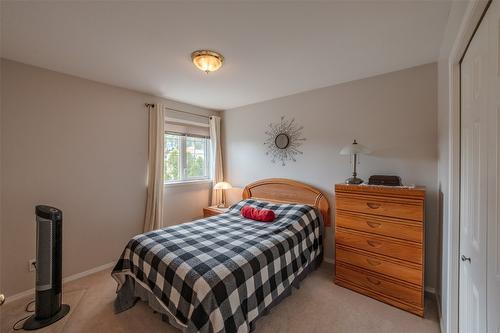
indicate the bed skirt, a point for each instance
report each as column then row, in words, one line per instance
column 132, row 291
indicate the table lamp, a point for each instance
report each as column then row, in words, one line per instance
column 354, row 150
column 222, row 186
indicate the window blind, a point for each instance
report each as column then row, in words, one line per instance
column 189, row 128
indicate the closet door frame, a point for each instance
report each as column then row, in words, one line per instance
column 469, row 24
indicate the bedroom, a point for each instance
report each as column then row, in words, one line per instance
column 97, row 98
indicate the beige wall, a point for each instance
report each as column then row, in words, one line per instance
column 185, row 202
column 395, row 114
column 92, row 164
column 80, row 146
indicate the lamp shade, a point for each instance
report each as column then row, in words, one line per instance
column 222, row 186
column 355, row 148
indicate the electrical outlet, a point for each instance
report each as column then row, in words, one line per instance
column 32, row 265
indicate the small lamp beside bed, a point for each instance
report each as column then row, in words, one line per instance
column 223, row 186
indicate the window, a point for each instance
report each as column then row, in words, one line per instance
column 186, row 157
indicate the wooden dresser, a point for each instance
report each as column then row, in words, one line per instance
column 379, row 243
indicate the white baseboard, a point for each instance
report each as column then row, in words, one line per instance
column 440, row 315
column 430, row 290
column 31, row 292
column 329, row 260
column 89, row 272
column 20, row 295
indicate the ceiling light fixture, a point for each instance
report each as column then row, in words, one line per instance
column 207, row 61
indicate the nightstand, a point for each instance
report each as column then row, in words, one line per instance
column 213, row 210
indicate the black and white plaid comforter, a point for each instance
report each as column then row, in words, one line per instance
column 220, row 273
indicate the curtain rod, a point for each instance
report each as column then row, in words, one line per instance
column 150, row 105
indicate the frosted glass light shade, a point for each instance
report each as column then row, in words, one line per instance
column 207, row 61
column 222, row 186
column 355, row 148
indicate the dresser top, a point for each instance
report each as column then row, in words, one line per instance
column 406, row 191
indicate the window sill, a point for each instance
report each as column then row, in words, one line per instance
column 188, row 182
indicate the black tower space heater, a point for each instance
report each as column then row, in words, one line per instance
column 48, row 308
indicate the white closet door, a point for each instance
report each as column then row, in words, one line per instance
column 480, row 179
column 492, row 18
column 474, row 185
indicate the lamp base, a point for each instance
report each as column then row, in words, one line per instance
column 354, row 181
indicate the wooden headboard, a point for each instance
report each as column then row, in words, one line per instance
column 281, row 190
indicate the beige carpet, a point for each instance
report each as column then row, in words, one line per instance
column 11, row 313
column 318, row 306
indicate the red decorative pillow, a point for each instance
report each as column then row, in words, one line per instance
column 262, row 215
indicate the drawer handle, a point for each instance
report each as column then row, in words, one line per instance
column 374, row 281
column 373, row 205
column 373, row 224
column 373, row 243
column 373, row 262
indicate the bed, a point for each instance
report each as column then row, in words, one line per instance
column 222, row 273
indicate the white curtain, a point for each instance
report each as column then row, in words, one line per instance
column 216, row 157
column 154, row 202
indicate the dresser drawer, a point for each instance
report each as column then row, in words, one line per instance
column 385, row 227
column 380, row 285
column 405, row 209
column 403, row 250
column 383, row 265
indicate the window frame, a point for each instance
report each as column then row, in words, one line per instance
column 184, row 179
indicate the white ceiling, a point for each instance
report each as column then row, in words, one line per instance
column 272, row 49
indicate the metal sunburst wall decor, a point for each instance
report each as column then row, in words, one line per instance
column 283, row 141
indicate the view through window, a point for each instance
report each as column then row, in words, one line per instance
column 186, row 157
